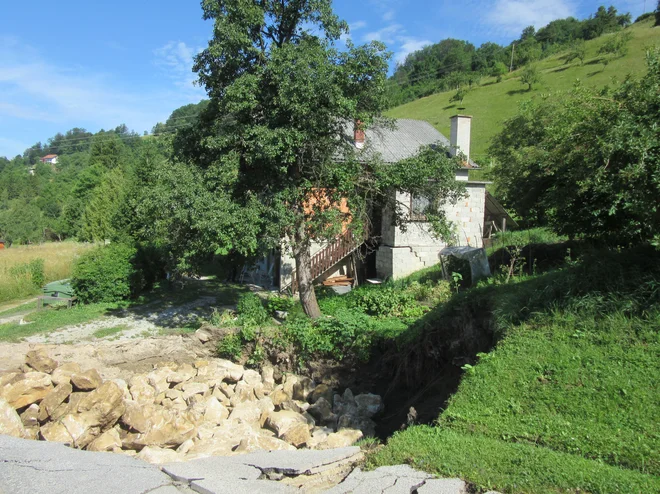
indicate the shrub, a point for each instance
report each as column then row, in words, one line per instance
column 251, row 308
column 104, row 274
column 33, row 269
column 277, row 303
column 388, row 301
column 230, row 347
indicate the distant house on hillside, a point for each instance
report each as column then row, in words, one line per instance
column 2, row 243
column 393, row 252
column 49, row 158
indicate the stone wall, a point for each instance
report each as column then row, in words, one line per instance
column 404, row 251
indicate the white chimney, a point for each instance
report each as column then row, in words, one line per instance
column 460, row 135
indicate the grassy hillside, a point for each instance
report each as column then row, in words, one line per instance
column 491, row 103
column 568, row 399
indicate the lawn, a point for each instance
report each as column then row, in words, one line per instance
column 492, row 103
column 58, row 260
column 568, row 400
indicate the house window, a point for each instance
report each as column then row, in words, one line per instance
column 419, row 206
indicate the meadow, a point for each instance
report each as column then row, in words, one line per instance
column 491, row 103
column 17, row 283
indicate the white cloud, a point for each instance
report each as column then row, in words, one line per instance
column 176, row 58
column 389, row 15
column 357, row 25
column 388, row 34
column 512, row 16
column 35, row 90
column 408, row 46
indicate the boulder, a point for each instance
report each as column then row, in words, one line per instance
column 8, row 377
column 289, row 381
column 86, row 381
column 321, row 391
column 297, row 435
column 368, row 405
column 70, row 406
column 303, row 388
column 185, row 446
column 215, row 412
column 104, row 405
column 141, row 390
column 25, row 389
column 213, row 446
column 64, row 372
column 159, row 456
column 10, row 422
column 136, row 417
column 279, row 396
column 55, row 432
column 319, row 436
column 246, row 412
column 82, row 427
column 158, row 379
column 40, row 361
column 341, row 439
column 30, row 419
column 168, row 428
column 184, row 373
column 53, row 400
column 268, row 378
column 280, row 422
column 108, row 441
column 234, row 372
column 259, row 442
column 191, row 389
column 322, row 412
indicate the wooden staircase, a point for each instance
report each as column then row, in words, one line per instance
column 342, row 247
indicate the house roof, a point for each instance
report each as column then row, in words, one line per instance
column 401, row 139
column 495, row 211
column 49, row 156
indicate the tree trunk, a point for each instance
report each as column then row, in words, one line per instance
column 304, row 274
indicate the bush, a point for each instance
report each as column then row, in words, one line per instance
column 277, row 303
column 150, row 267
column 387, row 302
column 251, row 309
column 230, row 347
column 33, row 269
column 105, row 274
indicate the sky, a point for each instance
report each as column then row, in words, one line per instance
column 97, row 65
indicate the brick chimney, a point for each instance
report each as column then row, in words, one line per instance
column 359, row 136
column 460, row 135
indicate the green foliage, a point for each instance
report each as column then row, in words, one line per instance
column 569, row 162
column 567, row 397
column 230, row 347
column 105, row 274
column 279, row 303
column 498, row 70
column 388, row 301
column 460, row 95
column 251, row 309
column 616, row 45
column 577, row 51
column 530, row 76
column 33, row 269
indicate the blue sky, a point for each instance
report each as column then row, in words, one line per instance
column 99, row 64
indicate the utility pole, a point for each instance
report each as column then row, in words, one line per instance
column 513, row 49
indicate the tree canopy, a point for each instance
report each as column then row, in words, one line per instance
column 587, row 163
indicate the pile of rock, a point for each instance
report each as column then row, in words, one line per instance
column 178, row 412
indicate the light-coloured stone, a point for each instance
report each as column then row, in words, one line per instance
column 10, row 422
column 105, row 404
column 157, row 379
column 70, row 406
column 168, row 428
column 215, row 412
column 297, row 435
column 213, row 446
column 234, row 372
column 83, row 428
column 319, row 436
column 243, row 392
column 8, row 377
column 136, row 416
column 30, row 419
column 55, row 432
column 341, row 439
column 280, row 422
column 86, row 381
column 289, row 382
column 141, row 390
column 40, row 361
column 159, row 456
column 191, row 389
column 108, row 441
column 268, row 378
column 260, row 442
column 185, row 446
column 184, row 373
column 321, row 391
column 27, row 388
column 53, row 400
column 279, row 396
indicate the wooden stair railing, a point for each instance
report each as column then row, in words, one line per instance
column 326, row 258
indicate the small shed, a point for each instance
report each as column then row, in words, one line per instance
column 2, row 243
column 496, row 219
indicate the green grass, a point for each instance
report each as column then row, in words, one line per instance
column 492, row 103
column 507, row 466
column 19, row 309
column 104, row 333
column 52, row 319
column 568, row 399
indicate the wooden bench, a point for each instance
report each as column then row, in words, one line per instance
column 69, row 301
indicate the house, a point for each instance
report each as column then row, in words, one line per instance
column 399, row 251
column 2, row 243
column 49, row 158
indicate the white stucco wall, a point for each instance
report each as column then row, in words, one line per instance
column 404, row 251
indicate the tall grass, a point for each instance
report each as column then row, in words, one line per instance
column 58, row 261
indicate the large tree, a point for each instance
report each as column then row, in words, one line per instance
column 281, row 98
